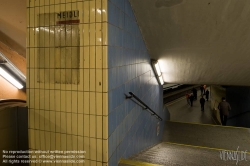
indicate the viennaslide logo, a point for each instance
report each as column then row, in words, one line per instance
column 237, row 155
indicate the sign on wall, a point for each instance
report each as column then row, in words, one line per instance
column 58, row 52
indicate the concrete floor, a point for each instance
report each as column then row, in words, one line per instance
column 180, row 111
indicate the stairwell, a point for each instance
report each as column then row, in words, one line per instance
column 189, row 144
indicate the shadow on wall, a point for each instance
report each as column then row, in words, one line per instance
column 14, row 130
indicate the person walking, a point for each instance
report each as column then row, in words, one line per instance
column 201, row 88
column 202, row 102
column 187, row 97
column 191, row 98
column 207, row 94
column 195, row 93
column 204, row 89
column 224, row 108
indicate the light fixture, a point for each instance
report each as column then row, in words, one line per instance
column 157, row 67
column 157, row 71
column 11, row 79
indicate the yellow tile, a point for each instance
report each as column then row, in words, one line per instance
column 105, row 103
column 105, row 164
column 92, row 77
column 80, row 100
column 87, row 147
column 80, row 85
column 86, row 57
column 74, row 124
column 99, row 127
column 68, row 1
column 31, row 119
column 99, row 104
column 42, row 140
column 80, row 143
column 57, row 100
column 105, row 127
column 98, row 35
column 69, row 142
column 104, row 57
column 80, row 124
column 52, row 120
column 86, row 79
column 31, row 98
column 37, row 99
column 86, row 103
column 99, row 150
column 32, row 78
column 58, row 141
column 57, row 1
column 30, row 3
column 92, row 58
column 52, row 100
column 98, row 10
column 105, row 80
column 46, row 121
column 53, row 141
column 81, row 49
column 86, row 34
column 42, row 93
column 47, row 140
column 63, row 101
column 58, row 122
column 80, row 8
column 92, row 149
column 74, row 102
column 69, row 123
column 105, row 150
column 105, row 34
column 32, row 139
column 93, row 163
column 86, row 14
column 63, row 120
column 92, row 126
column 37, row 3
column 37, row 118
column 87, row 163
column 99, row 57
column 32, row 37
column 104, row 10
column 92, row 11
column 99, row 83
column 37, row 142
column 92, row 34
column 92, row 97
column 99, row 163
column 74, row 142
column 46, row 97
column 46, row 2
column 63, row 142
column 42, row 3
column 68, row 101
column 86, row 125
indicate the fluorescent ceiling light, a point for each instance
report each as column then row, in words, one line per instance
column 157, row 68
column 9, row 78
column 161, row 80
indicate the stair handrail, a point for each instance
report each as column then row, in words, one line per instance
column 145, row 105
column 12, row 100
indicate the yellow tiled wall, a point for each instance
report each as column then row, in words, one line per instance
column 68, row 115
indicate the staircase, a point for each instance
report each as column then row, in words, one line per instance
column 186, row 144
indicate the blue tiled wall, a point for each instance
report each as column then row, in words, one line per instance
column 131, row 129
column 239, row 98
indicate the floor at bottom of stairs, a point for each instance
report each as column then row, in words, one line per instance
column 168, row 154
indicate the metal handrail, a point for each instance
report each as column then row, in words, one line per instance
column 146, row 107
